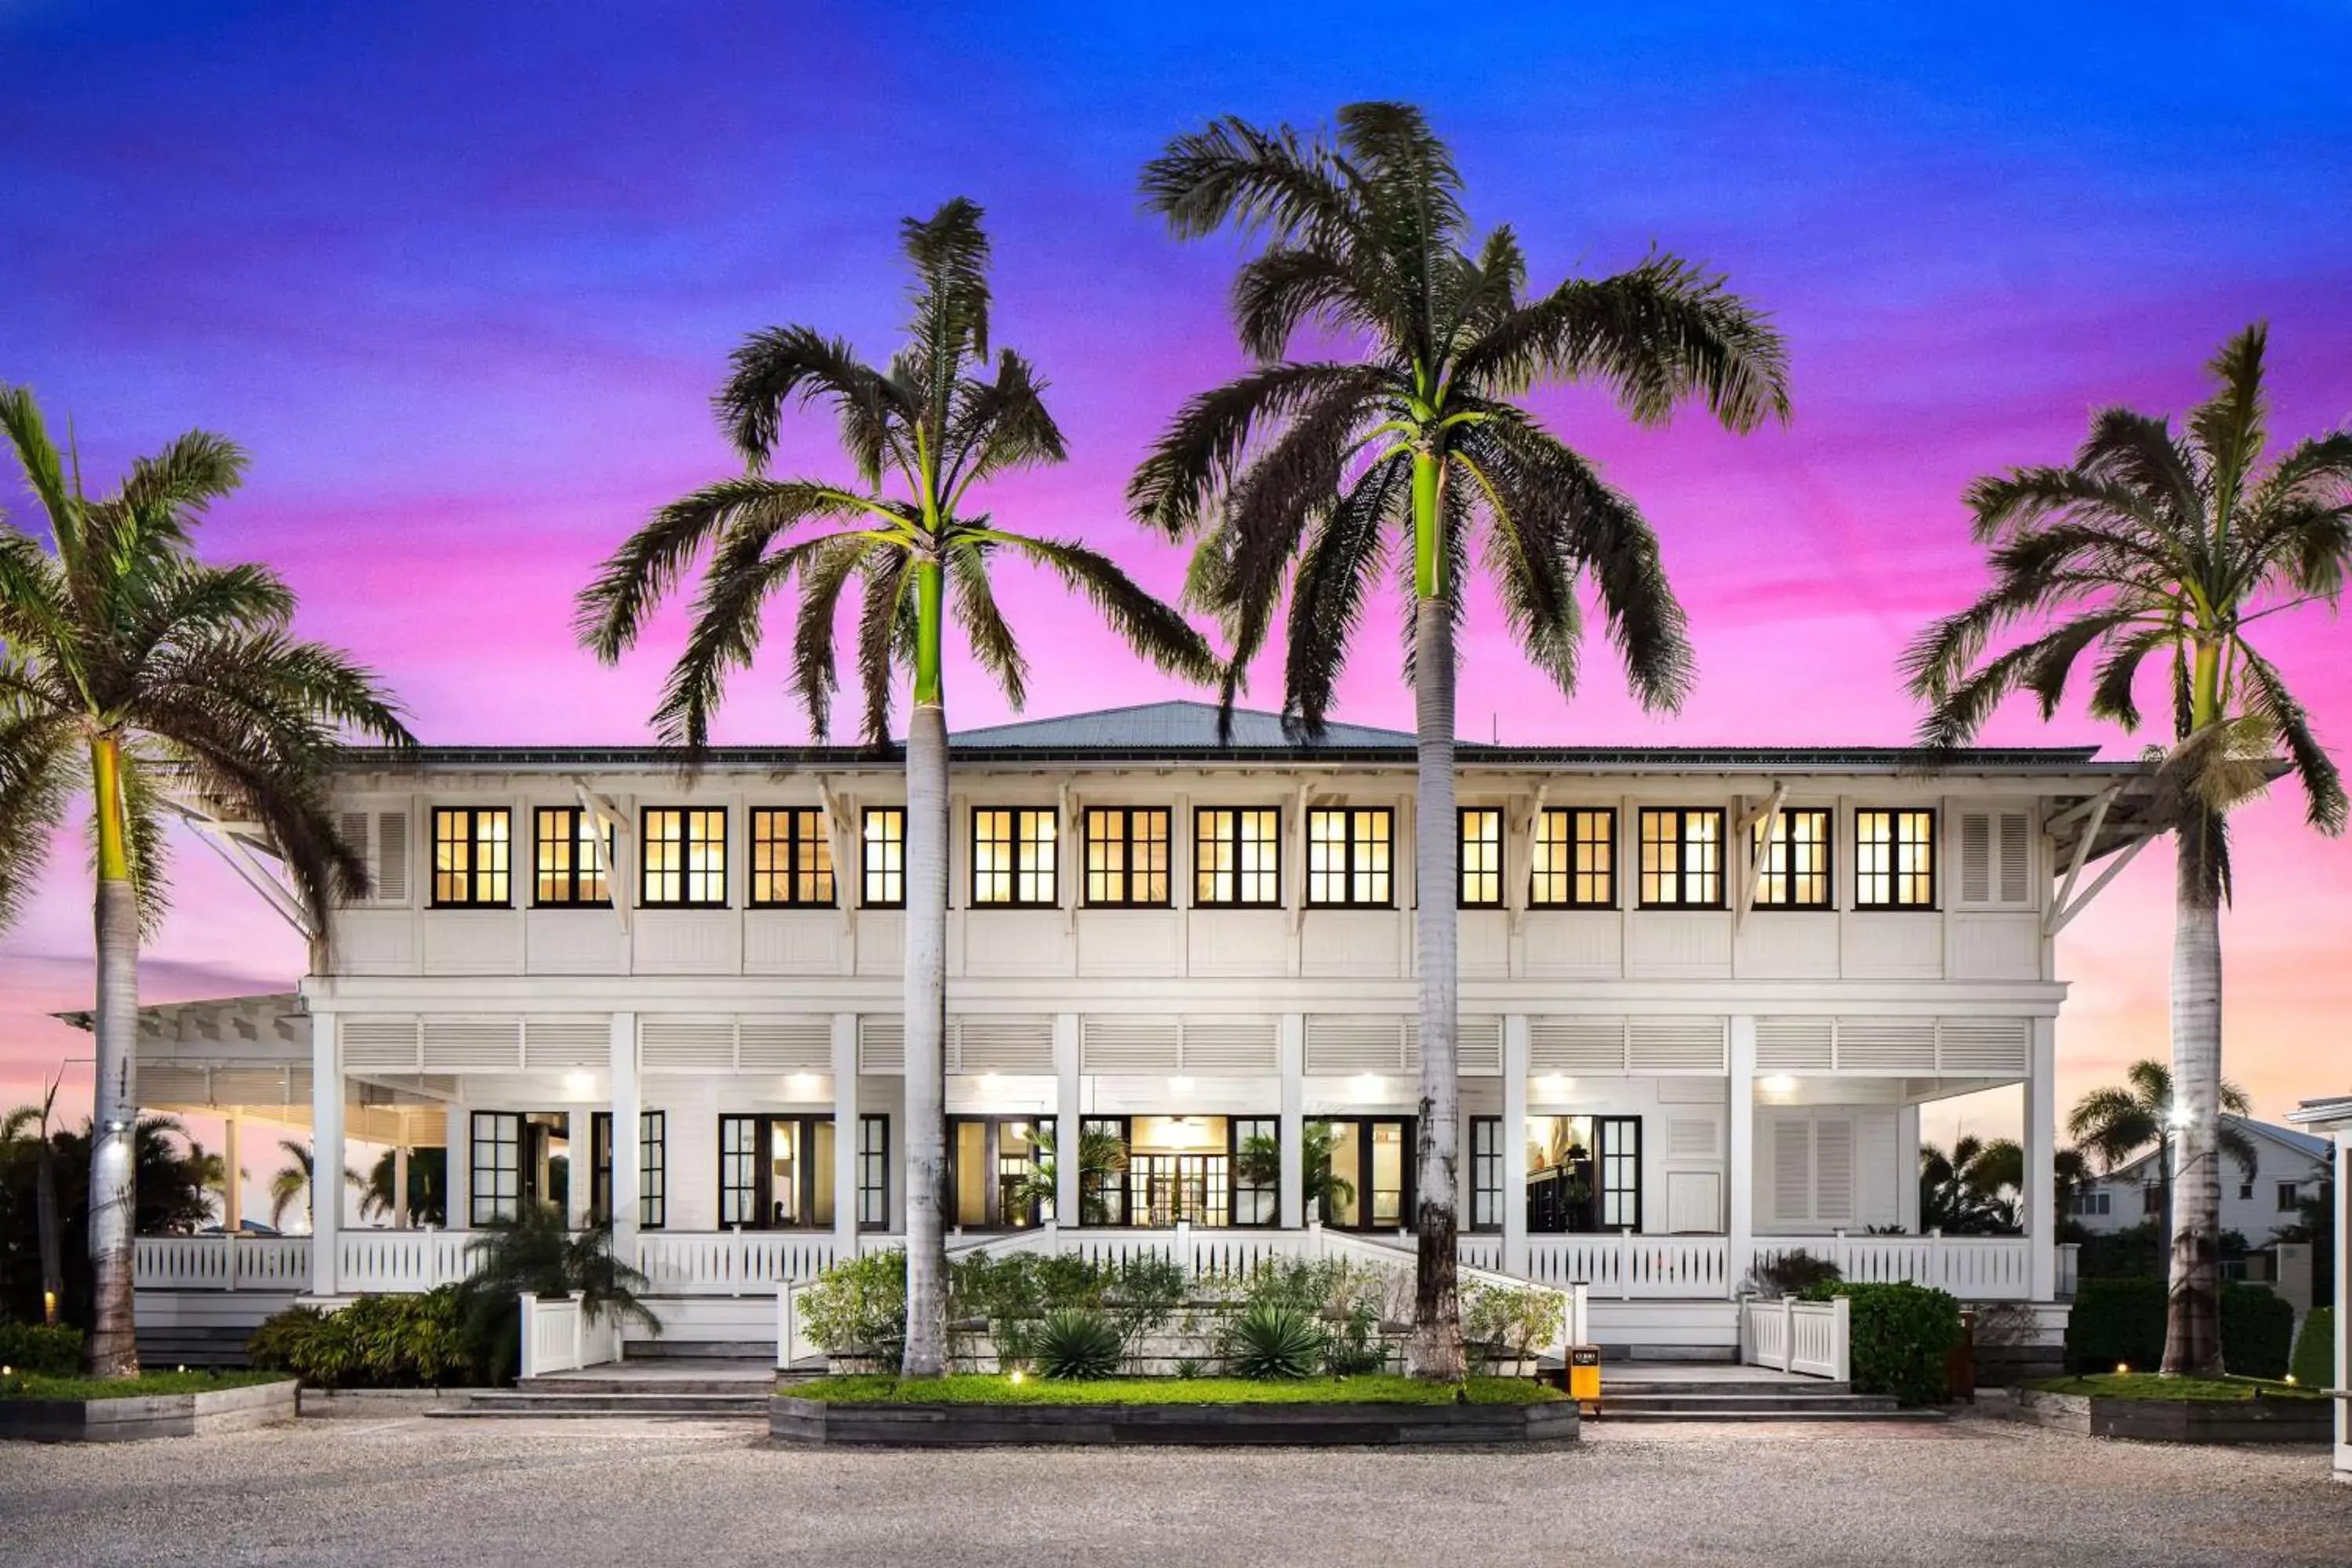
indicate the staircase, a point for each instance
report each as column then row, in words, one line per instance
column 678, row 1389
column 1674, row 1396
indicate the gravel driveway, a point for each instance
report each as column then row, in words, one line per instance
column 413, row 1492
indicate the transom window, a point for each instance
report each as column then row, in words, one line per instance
column 1682, row 858
column 471, row 856
column 1237, row 856
column 1895, row 859
column 1012, row 857
column 883, row 863
column 569, row 859
column 1348, row 858
column 1126, row 856
column 1480, row 872
column 1575, row 858
column 1793, row 864
column 685, row 852
column 792, row 860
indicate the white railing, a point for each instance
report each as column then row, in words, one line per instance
column 1973, row 1268
column 225, row 1262
column 1812, row 1338
column 557, row 1336
column 730, row 1262
column 1626, row 1266
column 402, row 1262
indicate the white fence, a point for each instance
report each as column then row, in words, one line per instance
column 1814, row 1338
column 557, row 1336
column 225, row 1262
column 1973, row 1268
column 730, row 1262
column 1627, row 1266
column 368, row 1262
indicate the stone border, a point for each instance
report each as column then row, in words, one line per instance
column 141, row 1417
column 823, row 1422
column 2255, row 1420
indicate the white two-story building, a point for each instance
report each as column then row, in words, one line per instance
column 1705, row 993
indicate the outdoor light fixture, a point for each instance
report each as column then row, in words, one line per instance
column 1778, row 1083
column 1180, row 1085
column 802, row 1083
column 579, row 1082
column 2122, row 1367
column 1367, row 1085
column 2290, row 1377
column 1016, row 1375
column 1554, row 1086
column 2178, row 1116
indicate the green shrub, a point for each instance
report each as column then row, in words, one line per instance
column 2120, row 1321
column 1901, row 1338
column 377, row 1341
column 1072, row 1342
column 1508, row 1325
column 1269, row 1341
column 858, row 1306
column 1795, row 1273
column 41, row 1349
column 2315, row 1351
column 2257, row 1330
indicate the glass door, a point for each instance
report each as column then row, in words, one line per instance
column 992, row 1172
column 1366, row 1177
column 775, row 1172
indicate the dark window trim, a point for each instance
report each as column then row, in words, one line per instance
column 1235, row 1186
column 577, row 820
column 1462, row 814
column 1934, row 903
column 881, row 1121
column 1605, row 1132
column 1500, row 1187
column 686, row 844
column 992, row 1209
column 1614, row 873
column 1408, row 1177
column 794, row 847
column 473, row 874
column 763, row 1192
column 1828, row 901
column 1347, row 875
column 1128, row 875
column 867, row 874
column 1683, row 815
column 652, row 1170
column 1017, row 813
column 1234, row 843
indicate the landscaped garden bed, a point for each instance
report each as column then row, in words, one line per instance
column 975, row 1410
column 55, row 1409
column 2144, row 1407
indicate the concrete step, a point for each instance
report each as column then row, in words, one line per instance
column 515, row 1403
column 1641, row 1387
column 1745, row 1404
column 702, row 1349
column 760, row 1382
column 1610, row 1413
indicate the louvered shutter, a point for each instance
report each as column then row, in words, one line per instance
column 1833, row 1171
column 1793, row 1171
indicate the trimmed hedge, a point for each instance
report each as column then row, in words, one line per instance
column 377, row 1341
column 2122, row 1322
column 1903, row 1337
column 2314, row 1351
column 41, row 1350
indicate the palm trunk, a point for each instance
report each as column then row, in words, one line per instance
column 2193, row 1331
column 1437, row 1304
column 925, row 1009
column 44, row 1199
column 111, row 1349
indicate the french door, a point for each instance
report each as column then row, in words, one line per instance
column 1370, row 1172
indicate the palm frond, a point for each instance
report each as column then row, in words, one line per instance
column 28, row 437
column 1153, row 629
column 881, row 635
column 1340, row 565
column 973, row 600
column 1231, row 172
column 37, row 780
column 2322, row 781
column 2228, row 426
column 782, row 367
column 1201, row 451
column 725, row 627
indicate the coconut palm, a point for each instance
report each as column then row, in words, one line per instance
column 1973, row 1189
column 2176, row 547
column 924, row 435
column 1101, row 1155
column 428, row 1187
column 1311, row 473
column 293, row 1184
column 2115, row 1124
column 13, row 1127
column 130, row 669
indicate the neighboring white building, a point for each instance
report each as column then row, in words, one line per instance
column 2331, row 1119
column 2288, row 1168
column 1680, row 1053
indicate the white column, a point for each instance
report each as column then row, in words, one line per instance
column 1514, row 1133
column 233, row 1189
column 326, row 1151
column 1739, row 1154
column 627, row 1096
column 1067, row 1132
column 845, row 1135
column 2041, row 1170
column 459, row 1139
column 1906, row 1169
column 400, row 1183
column 1293, row 1120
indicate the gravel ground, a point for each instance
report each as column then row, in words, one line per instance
column 411, row 1490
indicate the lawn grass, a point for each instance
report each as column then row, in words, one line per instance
column 984, row 1388
column 36, row 1385
column 2196, row 1390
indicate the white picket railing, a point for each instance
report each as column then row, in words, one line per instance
column 1627, row 1266
column 402, row 1262
column 225, row 1262
column 1973, row 1268
column 557, row 1336
column 1812, row 1338
column 730, row 1262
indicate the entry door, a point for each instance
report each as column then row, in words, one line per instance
column 1374, row 1159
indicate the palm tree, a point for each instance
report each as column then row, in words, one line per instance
column 2115, row 1124
column 45, row 1175
column 1972, row 1189
column 1325, row 1187
column 537, row 1252
column 292, row 1184
column 923, row 435
column 1101, row 1155
column 2173, row 546
column 1330, row 465
column 122, row 654
column 428, row 1187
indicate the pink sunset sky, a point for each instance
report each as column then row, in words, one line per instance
column 463, row 282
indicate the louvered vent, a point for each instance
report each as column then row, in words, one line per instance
column 381, row 840
column 2016, row 836
column 1794, row 1045
column 1691, row 1138
column 1983, row 1045
column 567, row 1042
column 1886, row 1045
column 1676, row 1045
column 380, row 1045
column 674, row 1042
column 1119, row 1043
column 1996, row 858
column 990, row 1043
column 1339, row 1043
column 1793, row 1171
column 881, row 1044
column 473, row 1045
column 1477, row 1046
column 1976, row 858
column 785, row 1045
column 1232, row 1046
column 1832, row 1171
column 1576, row 1045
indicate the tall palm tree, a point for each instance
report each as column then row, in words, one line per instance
column 130, row 669
column 1972, row 1189
column 428, row 1187
column 44, row 1201
column 2174, row 546
column 923, row 435
column 1311, row 473
column 293, row 1185
column 2115, row 1124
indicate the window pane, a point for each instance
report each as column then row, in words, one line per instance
column 470, row 855
column 1482, row 857
column 1792, row 863
column 1347, row 857
column 1682, row 858
column 885, row 860
column 1237, row 856
column 792, row 859
column 1895, row 859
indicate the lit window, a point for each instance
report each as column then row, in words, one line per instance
column 1793, row 866
column 569, row 858
column 1895, row 859
column 1012, row 857
column 792, row 860
column 1486, row 1172
column 1237, row 856
column 884, row 863
column 873, row 1172
column 1682, row 858
column 1575, row 860
column 1347, row 857
column 1126, row 856
column 470, row 857
column 1481, row 872
column 685, row 851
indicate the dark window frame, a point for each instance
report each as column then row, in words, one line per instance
column 492, row 1206
column 474, row 873
column 1127, row 876
column 1270, row 1191
column 652, row 1169
column 581, row 828
column 1020, row 844
column 1786, row 876
column 1683, row 815
column 1351, row 848
column 817, row 846
column 1497, row 874
column 1486, row 1182
column 686, row 842
column 992, row 1208
column 1105, row 1189
column 1232, row 843
column 1895, row 874
column 761, row 1188
column 873, row 1171
column 1573, row 842
column 1408, row 1174
column 890, row 846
